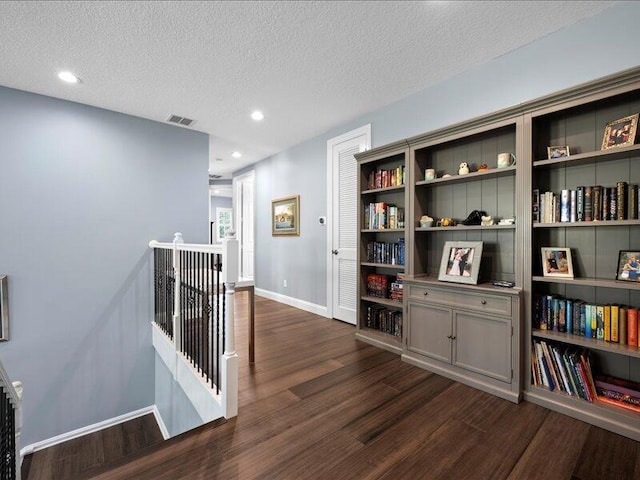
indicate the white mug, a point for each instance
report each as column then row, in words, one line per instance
column 506, row 159
column 430, row 174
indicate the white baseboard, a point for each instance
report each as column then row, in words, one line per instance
column 294, row 302
column 161, row 425
column 65, row 437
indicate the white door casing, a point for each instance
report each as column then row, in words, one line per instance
column 342, row 294
column 243, row 207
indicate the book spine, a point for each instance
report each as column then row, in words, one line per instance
column 604, row 203
column 588, row 204
column 613, row 204
column 632, row 327
column 577, row 306
column 621, row 200
column 597, row 202
column 580, row 204
column 573, row 215
column 569, row 316
column 600, row 322
column 583, row 319
column 622, row 326
column 535, row 214
column 615, row 311
column 594, row 321
column 633, row 202
column 587, row 322
column 565, row 206
column 562, row 315
column 607, row 323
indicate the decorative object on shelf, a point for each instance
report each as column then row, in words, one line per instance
column 446, row 175
column 620, row 133
column 445, row 222
column 474, row 218
column 285, row 216
column 558, row 152
column 463, row 169
column 507, row 221
column 483, row 167
column 487, row 221
column 426, row 221
column 628, row 266
column 506, row 159
column 4, row 309
column 460, row 262
column 430, row 174
column 556, row 262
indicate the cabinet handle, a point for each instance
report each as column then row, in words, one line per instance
column 449, row 337
column 483, row 302
column 426, row 293
column 453, row 338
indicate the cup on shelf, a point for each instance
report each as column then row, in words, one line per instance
column 506, row 159
column 430, row 174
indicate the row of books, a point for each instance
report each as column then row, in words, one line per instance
column 386, row 178
column 385, row 320
column 381, row 286
column 616, row 391
column 390, row 253
column 380, row 215
column 397, row 288
column 562, row 369
column 586, row 204
column 611, row 323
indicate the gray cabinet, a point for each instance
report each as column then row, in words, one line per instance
column 465, row 332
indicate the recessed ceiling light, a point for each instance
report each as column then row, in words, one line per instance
column 68, row 77
column 216, row 191
column 236, row 154
column 257, row 115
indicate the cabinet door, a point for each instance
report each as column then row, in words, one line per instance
column 429, row 330
column 483, row 345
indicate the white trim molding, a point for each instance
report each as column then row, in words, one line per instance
column 80, row 432
column 294, row 302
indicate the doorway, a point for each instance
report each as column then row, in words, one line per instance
column 243, row 208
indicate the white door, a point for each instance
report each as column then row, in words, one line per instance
column 243, row 202
column 342, row 196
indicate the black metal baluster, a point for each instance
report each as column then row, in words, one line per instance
column 198, row 294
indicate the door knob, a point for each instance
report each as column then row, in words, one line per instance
column 335, row 252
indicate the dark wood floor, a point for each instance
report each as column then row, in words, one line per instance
column 320, row 405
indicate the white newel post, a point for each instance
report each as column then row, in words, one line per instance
column 229, row 368
column 177, row 326
column 18, row 388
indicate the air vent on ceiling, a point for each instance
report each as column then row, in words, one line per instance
column 180, row 120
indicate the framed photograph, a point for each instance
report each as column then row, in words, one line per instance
column 620, row 133
column 558, row 152
column 460, row 262
column 556, row 262
column 285, row 215
column 628, row 266
column 4, row 309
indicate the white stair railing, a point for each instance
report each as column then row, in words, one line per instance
column 194, row 306
column 11, row 426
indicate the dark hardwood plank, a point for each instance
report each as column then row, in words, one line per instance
column 606, row 455
column 554, row 450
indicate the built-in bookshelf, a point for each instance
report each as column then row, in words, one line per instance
column 382, row 258
column 579, row 123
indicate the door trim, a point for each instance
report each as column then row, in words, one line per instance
column 237, row 212
column 364, row 130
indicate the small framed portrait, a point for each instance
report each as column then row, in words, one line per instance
column 556, row 262
column 628, row 266
column 558, row 152
column 285, row 216
column 460, row 262
column 620, row 133
column 4, row 309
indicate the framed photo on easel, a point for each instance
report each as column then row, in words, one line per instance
column 620, row 133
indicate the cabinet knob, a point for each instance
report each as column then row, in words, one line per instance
column 449, row 336
column 483, row 302
column 426, row 293
column 453, row 338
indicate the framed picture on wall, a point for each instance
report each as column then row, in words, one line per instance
column 285, row 215
column 224, row 222
column 620, row 133
column 4, row 309
column 460, row 262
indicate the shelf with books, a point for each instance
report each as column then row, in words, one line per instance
column 589, row 282
column 492, row 173
column 382, row 230
column 382, row 301
column 588, row 157
column 383, row 190
column 590, row 343
column 461, row 228
column 593, row 223
column 382, row 265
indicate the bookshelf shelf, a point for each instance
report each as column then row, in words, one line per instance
column 382, row 301
column 383, row 190
column 383, row 230
column 588, row 157
column 461, row 228
column 495, row 172
column 382, row 265
column 595, row 223
column 590, row 343
column 589, row 282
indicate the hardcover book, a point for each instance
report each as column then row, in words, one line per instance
column 621, row 200
column 597, row 202
column 580, row 204
column 588, row 205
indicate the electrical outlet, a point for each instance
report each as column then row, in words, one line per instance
column 285, row 283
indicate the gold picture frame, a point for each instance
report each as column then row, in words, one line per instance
column 285, row 216
column 620, row 133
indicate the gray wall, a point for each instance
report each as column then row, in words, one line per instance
column 576, row 54
column 82, row 191
column 175, row 408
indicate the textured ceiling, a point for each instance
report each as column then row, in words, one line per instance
column 309, row 66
